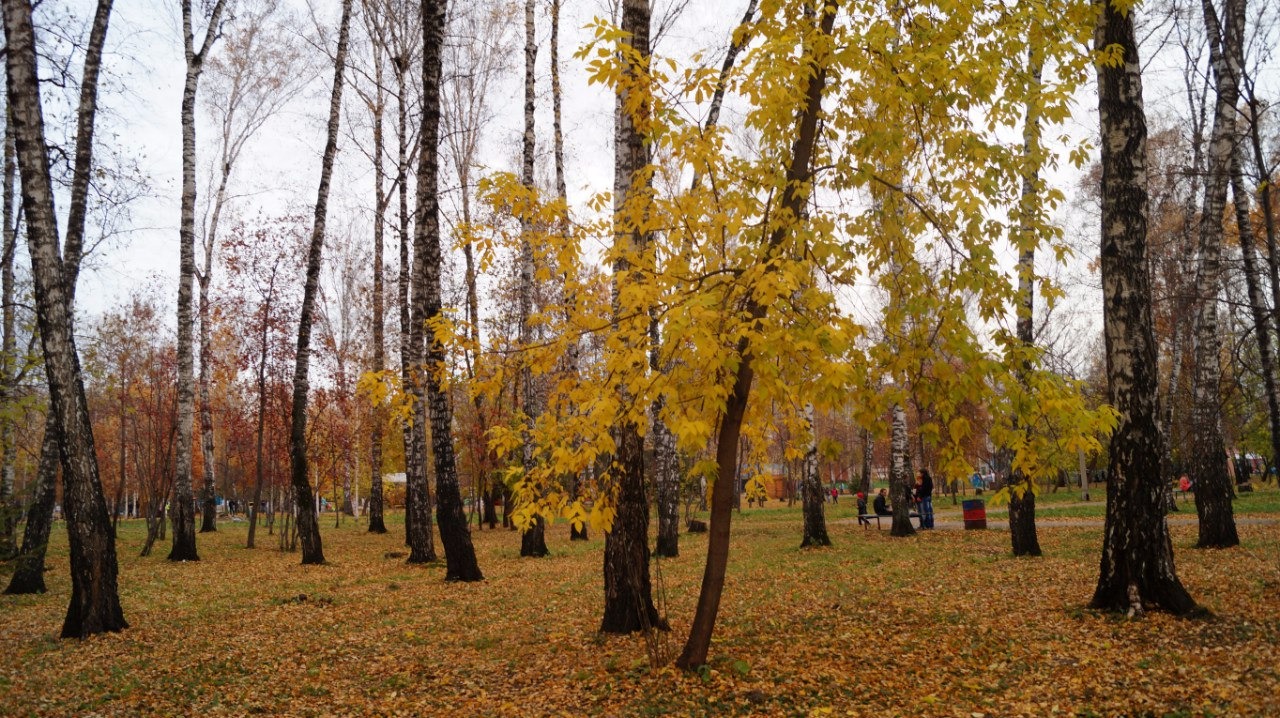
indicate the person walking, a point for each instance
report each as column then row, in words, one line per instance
column 926, row 499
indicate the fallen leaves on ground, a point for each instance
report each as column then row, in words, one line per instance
column 946, row 623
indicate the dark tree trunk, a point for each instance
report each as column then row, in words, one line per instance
column 628, row 597
column 490, row 507
column 28, row 573
column 729, row 431
column 455, row 535
column 815, row 495
column 95, row 603
column 628, row 594
column 1022, row 520
column 1137, row 569
column 308, row 524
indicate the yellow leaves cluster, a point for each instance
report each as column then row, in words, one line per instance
column 918, row 190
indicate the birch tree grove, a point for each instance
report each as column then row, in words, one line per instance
column 300, row 479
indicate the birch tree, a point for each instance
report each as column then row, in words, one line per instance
column 1137, row 569
column 308, row 524
column 183, row 512
column 431, row 392
column 95, row 603
column 1208, row 451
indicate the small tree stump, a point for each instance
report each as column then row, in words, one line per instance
column 697, row 526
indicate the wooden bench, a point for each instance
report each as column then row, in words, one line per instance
column 865, row 519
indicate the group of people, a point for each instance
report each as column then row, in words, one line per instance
column 920, row 497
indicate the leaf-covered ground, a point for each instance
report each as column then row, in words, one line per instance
column 942, row 624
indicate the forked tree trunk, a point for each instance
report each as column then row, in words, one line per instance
column 628, row 595
column 1022, row 498
column 95, row 603
column 729, row 431
column 533, row 541
column 815, row 495
column 1208, row 447
column 1137, row 569
column 184, row 510
column 460, row 554
column 308, row 525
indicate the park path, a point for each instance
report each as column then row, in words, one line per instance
column 949, row 524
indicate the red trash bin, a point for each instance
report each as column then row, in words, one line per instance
column 975, row 514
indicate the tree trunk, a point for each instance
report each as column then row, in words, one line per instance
column 308, row 525
column 815, row 494
column 95, row 604
column 1022, row 498
column 184, row 519
column 666, row 471
column 377, row 524
column 695, row 650
column 417, row 518
column 868, row 452
column 576, row 533
column 1137, row 568
column 460, row 555
column 28, row 573
column 1208, row 447
column 533, row 540
column 1257, row 302
column 628, row 599
column 10, row 508
column 259, row 463
column 209, row 495
column 900, row 475
column 1265, row 201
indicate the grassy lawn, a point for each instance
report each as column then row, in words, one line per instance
column 941, row 624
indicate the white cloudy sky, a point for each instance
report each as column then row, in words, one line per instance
column 281, row 168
